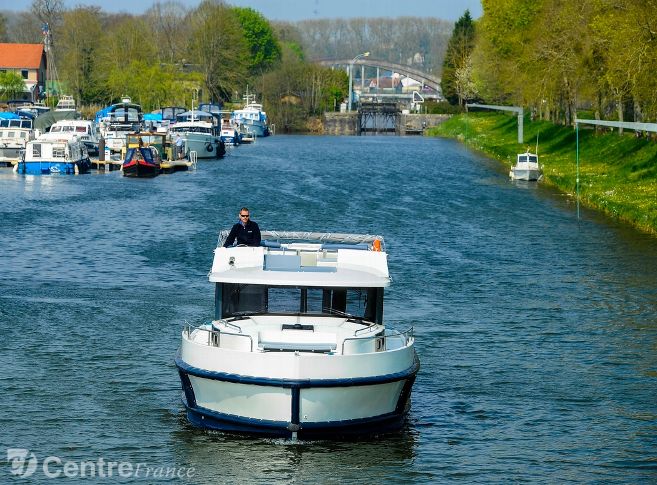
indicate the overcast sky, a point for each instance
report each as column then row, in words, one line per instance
column 293, row 10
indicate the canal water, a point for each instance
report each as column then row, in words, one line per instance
column 536, row 331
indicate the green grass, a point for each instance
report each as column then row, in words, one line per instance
column 618, row 173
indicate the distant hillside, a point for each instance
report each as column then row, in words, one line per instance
column 419, row 42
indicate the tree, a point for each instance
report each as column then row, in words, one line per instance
column 11, row 85
column 260, row 38
column 457, row 58
column 79, row 41
column 4, row 37
column 217, row 48
column 167, row 21
column 48, row 12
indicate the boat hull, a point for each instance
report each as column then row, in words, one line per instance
column 303, row 408
column 145, row 170
column 11, row 153
column 204, row 146
column 525, row 174
column 54, row 168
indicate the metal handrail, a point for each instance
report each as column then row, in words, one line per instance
column 216, row 342
column 406, row 334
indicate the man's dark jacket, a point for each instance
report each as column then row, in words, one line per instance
column 248, row 234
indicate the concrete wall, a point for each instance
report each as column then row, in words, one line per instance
column 341, row 123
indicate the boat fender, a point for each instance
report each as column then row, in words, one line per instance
column 376, row 245
column 208, row 147
column 76, row 169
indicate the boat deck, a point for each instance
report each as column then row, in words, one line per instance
column 298, row 333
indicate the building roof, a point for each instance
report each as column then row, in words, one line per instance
column 21, row 55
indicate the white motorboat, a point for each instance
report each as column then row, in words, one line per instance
column 65, row 103
column 251, row 117
column 85, row 130
column 526, row 167
column 297, row 347
column 120, row 120
column 199, row 133
column 51, row 154
column 14, row 135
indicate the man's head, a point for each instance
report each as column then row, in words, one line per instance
column 244, row 215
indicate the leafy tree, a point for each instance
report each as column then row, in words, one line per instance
column 11, row 85
column 79, row 44
column 217, row 48
column 297, row 90
column 260, row 38
column 457, row 60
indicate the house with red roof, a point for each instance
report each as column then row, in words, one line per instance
column 29, row 62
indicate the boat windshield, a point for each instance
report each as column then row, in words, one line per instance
column 359, row 303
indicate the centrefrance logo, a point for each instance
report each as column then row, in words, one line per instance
column 24, row 463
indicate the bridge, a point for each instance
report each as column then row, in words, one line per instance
column 425, row 79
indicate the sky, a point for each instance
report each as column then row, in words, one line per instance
column 294, row 10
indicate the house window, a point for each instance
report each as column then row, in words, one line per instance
column 24, row 73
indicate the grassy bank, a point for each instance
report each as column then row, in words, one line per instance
column 618, row 173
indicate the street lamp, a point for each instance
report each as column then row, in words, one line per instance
column 351, row 69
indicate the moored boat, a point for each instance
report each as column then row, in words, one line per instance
column 229, row 134
column 251, row 117
column 52, row 154
column 15, row 132
column 85, row 130
column 199, row 133
column 143, row 154
column 118, row 120
column 297, row 347
column 526, row 167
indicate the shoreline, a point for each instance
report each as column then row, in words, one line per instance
column 618, row 173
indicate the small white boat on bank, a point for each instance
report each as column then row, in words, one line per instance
column 526, row 167
column 298, row 347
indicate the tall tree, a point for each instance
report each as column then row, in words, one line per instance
column 457, row 60
column 217, row 48
column 79, row 41
column 260, row 38
column 167, row 20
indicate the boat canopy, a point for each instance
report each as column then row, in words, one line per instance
column 197, row 115
column 305, row 259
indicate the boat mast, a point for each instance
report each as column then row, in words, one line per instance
column 51, row 69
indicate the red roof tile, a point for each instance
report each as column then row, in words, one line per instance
column 21, row 55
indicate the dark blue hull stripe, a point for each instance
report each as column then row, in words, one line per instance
column 298, row 383
column 208, row 419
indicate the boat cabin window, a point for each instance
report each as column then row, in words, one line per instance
column 36, row 150
column 533, row 159
column 58, row 151
column 235, row 299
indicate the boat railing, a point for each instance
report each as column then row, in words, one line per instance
column 214, row 335
column 327, row 239
column 404, row 338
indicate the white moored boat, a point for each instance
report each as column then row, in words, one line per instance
column 298, row 347
column 526, row 167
